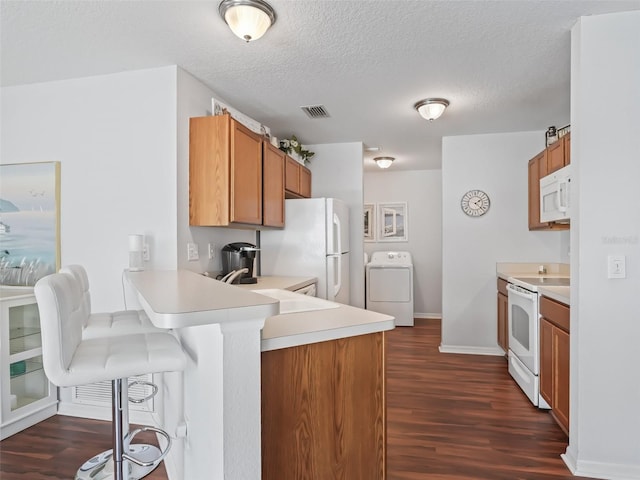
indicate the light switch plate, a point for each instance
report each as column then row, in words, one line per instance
column 192, row 252
column 616, row 266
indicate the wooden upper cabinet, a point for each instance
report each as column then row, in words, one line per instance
column 292, row 175
column 546, row 162
column 297, row 179
column 559, row 154
column 273, row 161
column 225, row 172
column 537, row 169
column 305, row 182
column 555, row 156
column 246, row 175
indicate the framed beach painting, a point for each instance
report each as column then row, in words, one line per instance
column 369, row 222
column 392, row 222
column 29, row 222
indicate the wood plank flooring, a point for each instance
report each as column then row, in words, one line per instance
column 449, row 417
column 459, row 417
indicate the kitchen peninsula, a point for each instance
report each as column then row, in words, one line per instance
column 217, row 403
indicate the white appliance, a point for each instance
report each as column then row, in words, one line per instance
column 524, row 333
column 314, row 242
column 389, row 285
column 554, row 196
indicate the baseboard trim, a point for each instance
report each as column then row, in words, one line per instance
column 437, row 316
column 95, row 412
column 604, row 471
column 466, row 350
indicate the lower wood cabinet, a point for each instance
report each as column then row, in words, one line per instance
column 554, row 359
column 324, row 410
column 503, row 315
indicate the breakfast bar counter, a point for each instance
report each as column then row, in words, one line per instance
column 214, row 411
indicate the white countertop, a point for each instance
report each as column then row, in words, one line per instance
column 294, row 329
column 181, row 298
column 178, row 299
column 559, row 294
column 283, row 283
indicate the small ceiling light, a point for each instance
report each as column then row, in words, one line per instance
column 248, row 19
column 384, row 162
column 431, row 108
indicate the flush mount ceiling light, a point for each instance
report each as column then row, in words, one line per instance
column 248, row 19
column 431, row 108
column 384, row 162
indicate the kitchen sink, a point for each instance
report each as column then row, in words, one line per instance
column 291, row 302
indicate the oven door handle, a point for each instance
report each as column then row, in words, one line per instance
column 516, row 291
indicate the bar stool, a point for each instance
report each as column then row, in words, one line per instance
column 106, row 324
column 122, row 322
column 70, row 360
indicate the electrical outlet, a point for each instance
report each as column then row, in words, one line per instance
column 145, row 252
column 212, row 251
column 192, row 252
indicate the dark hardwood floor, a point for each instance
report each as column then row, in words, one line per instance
column 462, row 416
column 453, row 417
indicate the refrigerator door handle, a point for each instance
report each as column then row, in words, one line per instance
column 337, row 274
column 337, row 234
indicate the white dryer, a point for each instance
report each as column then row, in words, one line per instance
column 389, row 280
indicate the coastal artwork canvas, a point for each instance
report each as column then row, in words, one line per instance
column 29, row 222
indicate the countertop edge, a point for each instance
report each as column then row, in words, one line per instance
column 296, row 340
column 556, row 293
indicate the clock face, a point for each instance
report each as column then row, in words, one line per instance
column 475, row 203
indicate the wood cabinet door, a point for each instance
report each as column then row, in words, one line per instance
column 305, row 182
column 546, row 361
column 503, row 325
column 561, row 369
column 555, row 156
column 324, row 410
column 292, row 176
column 537, row 166
column 246, row 175
column 567, row 148
column 273, row 186
column 209, row 170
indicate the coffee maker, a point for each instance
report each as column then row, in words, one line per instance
column 237, row 263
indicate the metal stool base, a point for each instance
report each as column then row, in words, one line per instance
column 100, row 467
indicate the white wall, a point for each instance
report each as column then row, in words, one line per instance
column 337, row 172
column 115, row 138
column 496, row 164
column 422, row 190
column 605, row 149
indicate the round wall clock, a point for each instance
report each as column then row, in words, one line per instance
column 475, row 203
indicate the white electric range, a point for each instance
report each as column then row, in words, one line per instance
column 524, row 332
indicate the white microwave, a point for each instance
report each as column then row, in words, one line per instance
column 554, row 196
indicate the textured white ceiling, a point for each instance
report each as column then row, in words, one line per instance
column 503, row 65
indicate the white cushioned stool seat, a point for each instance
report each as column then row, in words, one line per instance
column 106, row 358
column 123, row 322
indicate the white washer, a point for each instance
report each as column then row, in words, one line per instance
column 389, row 279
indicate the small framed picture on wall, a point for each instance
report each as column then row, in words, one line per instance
column 392, row 222
column 369, row 222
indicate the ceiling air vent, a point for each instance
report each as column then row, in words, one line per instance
column 315, row 111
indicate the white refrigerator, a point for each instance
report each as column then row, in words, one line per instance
column 314, row 242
